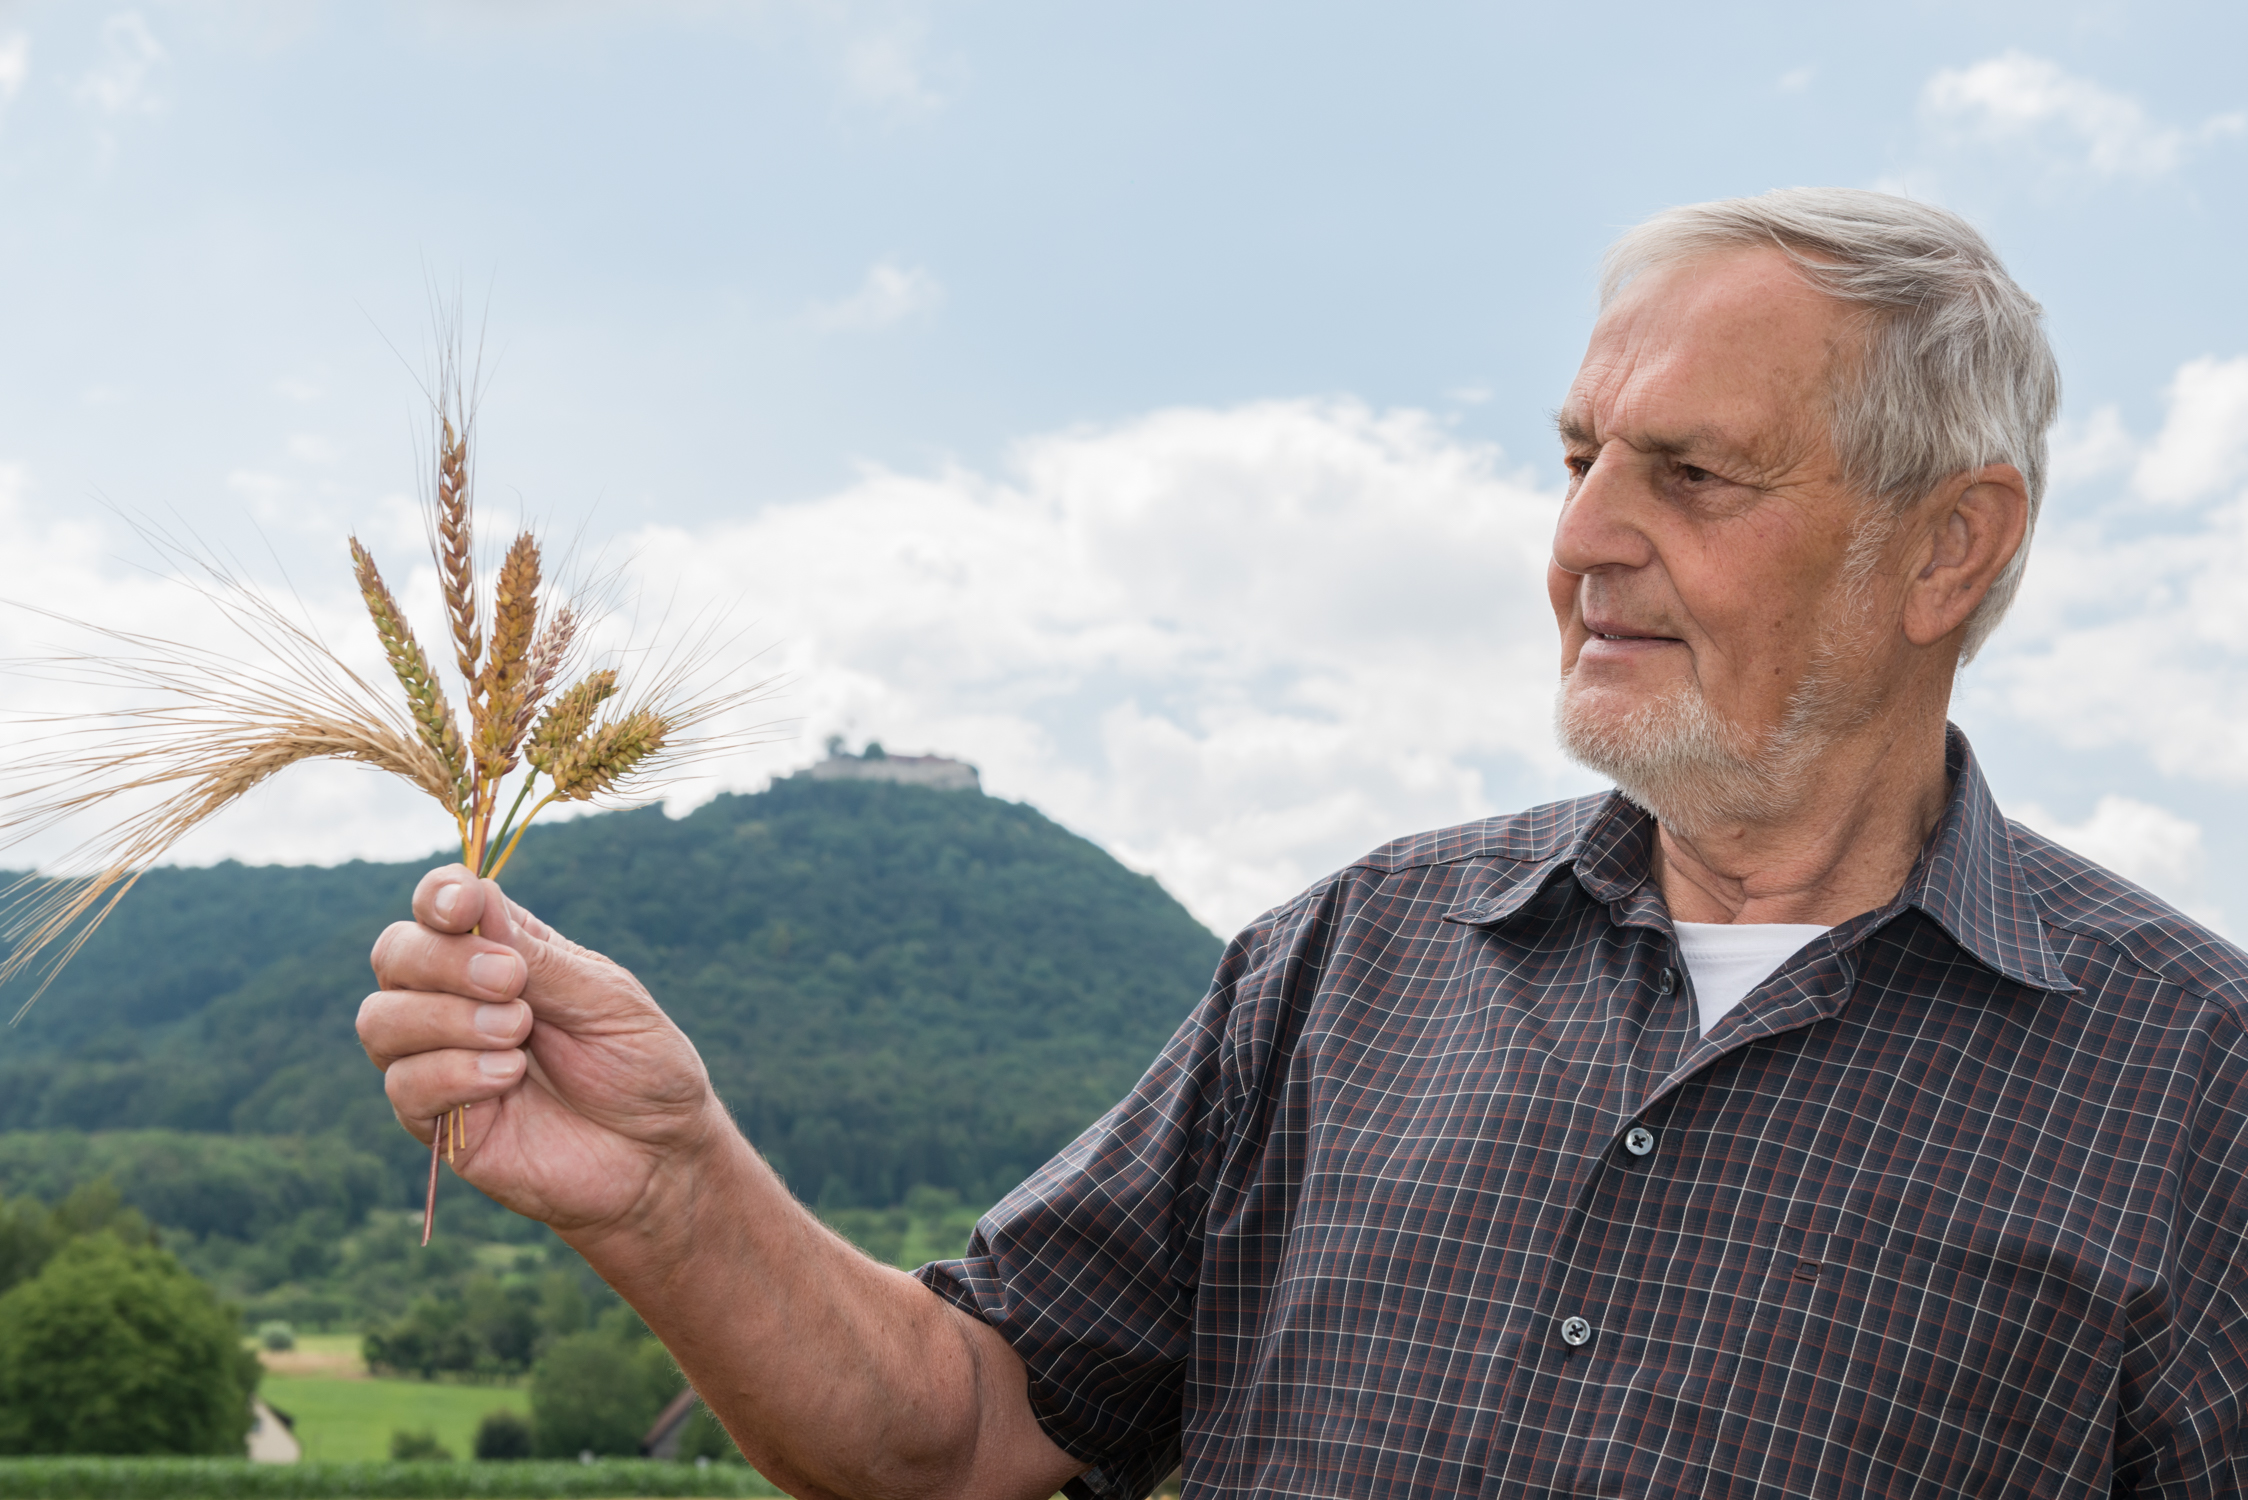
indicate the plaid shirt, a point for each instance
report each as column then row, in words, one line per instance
column 1441, row 1192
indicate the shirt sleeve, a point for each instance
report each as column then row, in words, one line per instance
column 2181, row 1426
column 1089, row 1269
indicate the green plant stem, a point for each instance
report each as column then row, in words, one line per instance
column 500, row 840
column 501, row 863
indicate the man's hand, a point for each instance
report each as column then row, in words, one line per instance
column 584, row 1093
column 591, row 1111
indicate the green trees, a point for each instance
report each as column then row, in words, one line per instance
column 113, row 1348
column 30, row 1232
column 483, row 1327
column 27, row 1238
column 598, row 1391
column 909, row 997
column 892, row 986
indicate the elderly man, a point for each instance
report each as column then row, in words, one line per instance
column 1783, row 1123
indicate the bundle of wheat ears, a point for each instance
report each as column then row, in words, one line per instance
column 202, row 728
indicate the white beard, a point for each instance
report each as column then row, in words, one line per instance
column 1679, row 761
column 1696, row 772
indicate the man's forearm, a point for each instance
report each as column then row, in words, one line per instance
column 836, row 1375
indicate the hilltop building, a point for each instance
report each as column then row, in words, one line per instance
column 876, row 764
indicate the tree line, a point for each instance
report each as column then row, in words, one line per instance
column 892, row 986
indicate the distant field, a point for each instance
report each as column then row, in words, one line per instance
column 336, row 1355
column 340, row 1419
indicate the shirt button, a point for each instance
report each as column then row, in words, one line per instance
column 1665, row 982
column 1576, row 1332
column 1639, row 1140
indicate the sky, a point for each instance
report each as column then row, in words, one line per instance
column 1150, row 404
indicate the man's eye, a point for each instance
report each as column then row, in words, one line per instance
column 1579, row 467
column 1693, row 475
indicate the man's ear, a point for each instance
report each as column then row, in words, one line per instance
column 1973, row 525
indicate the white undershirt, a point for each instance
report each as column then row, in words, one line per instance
column 1728, row 959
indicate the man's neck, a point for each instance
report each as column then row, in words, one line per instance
column 1845, row 847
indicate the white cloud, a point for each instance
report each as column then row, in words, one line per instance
column 2203, row 446
column 1797, row 80
column 122, row 83
column 883, row 67
column 2135, row 636
column 2090, row 449
column 2137, row 840
column 1237, row 647
column 890, row 294
column 15, row 65
column 2017, row 99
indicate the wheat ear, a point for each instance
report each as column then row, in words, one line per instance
column 433, row 715
column 583, row 767
column 505, row 683
column 568, row 718
column 453, row 544
column 548, row 651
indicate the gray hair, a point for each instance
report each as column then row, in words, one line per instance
column 1956, row 372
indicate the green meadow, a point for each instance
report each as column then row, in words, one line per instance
column 353, row 1419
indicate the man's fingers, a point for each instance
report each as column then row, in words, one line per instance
column 395, row 1024
column 409, row 956
column 424, row 1086
column 449, row 899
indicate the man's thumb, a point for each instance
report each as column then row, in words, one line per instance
column 503, row 923
column 499, row 924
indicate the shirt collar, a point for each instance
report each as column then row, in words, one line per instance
column 1968, row 880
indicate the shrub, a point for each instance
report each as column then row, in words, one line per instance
column 503, row 1434
column 232, row 1479
column 598, row 1392
column 113, row 1348
column 417, row 1447
column 277, row 1335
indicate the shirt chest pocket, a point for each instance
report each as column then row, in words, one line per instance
column 1983, row 1371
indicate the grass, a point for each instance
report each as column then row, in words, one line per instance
column 235, row 1479
column 352, row 1420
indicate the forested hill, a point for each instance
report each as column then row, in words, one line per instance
column 891, row 985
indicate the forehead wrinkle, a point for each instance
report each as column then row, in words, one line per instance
column 1574, row 428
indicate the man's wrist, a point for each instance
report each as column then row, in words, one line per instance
column 699, row 1182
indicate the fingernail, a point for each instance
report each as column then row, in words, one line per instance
column 496, row 1020
column 446, row 902
column 496, row 1064
column 492, row 971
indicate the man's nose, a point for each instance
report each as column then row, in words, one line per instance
column 1599, row 524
